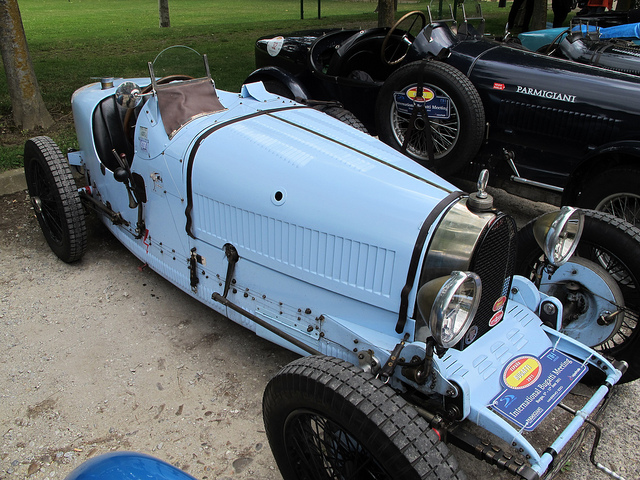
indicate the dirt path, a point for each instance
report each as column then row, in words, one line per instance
column 104, row 355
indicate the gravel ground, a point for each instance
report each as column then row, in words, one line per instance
column 105, row 355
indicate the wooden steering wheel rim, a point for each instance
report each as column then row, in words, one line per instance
column 385, row 42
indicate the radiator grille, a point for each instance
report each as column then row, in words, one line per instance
column 494, row 261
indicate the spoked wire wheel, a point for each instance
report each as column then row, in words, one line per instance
column 616, row 191
column 321, row 449
column 445, row 133
column 625, row 206
column 612, row 245
column 433, row 113
column 628, row 284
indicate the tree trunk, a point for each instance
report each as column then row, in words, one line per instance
column 163, row 7
column 386, row 13
column 539, row 17
column 28, row 107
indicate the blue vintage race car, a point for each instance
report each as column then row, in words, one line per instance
column 614, row 48
column 399, row 290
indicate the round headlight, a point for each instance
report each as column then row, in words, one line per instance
column 450, row 303
column 558, row 234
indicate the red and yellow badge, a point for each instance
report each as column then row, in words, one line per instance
column 522, row 372
column 499, row 303
column 427, row 94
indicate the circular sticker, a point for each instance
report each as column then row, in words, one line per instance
column 521, row 372
column 499, row 303
column 496, row 318
column 275, row 45
column 427, row 94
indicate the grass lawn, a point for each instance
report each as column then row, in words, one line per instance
column 73, row 42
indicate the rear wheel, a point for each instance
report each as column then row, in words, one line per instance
column 345, row 116
column 615, row 191
column 602, row 277
column 55, row 198
column 327, row 419
column 338, row 112
column 431, row 112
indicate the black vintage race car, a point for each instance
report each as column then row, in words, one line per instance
column 456, row 102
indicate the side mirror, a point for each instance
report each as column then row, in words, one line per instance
column 128, row 95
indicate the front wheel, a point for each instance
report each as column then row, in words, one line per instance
column 326, row 419
column 599, row 286
column 431, row 112
column 55, row 198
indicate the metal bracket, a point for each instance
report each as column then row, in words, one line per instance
column 194, row 260
column 90, row 202
column 596, row 441
column 390, row 365
column 232, row 257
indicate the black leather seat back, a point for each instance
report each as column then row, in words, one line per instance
column 108, row 132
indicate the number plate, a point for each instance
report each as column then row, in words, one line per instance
column 436, row 107
column 533, row 386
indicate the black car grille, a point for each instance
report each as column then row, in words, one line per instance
column 494, row 262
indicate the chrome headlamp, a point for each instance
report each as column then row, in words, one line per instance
column 558, row 234
column 449, row 304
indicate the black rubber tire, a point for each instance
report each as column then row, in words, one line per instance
column 325, row 419
column 615, row 191
column 615, row 245
column 457, row 139
column 345, row 116
column 55, row 198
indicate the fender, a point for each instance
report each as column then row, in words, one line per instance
column 626, row 151
column 626, row 147
column 299, row 91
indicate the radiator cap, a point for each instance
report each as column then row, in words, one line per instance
column 481, row 201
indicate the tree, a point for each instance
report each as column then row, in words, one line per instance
column 163, row 7
column 386, row 12
column 28, row 107
column 539, row 17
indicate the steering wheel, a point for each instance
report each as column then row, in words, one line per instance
column 405, row 38
column 128, row 123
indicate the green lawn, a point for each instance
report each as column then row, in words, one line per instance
column 74, row 41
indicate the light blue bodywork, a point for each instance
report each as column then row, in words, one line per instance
column 324, row 219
